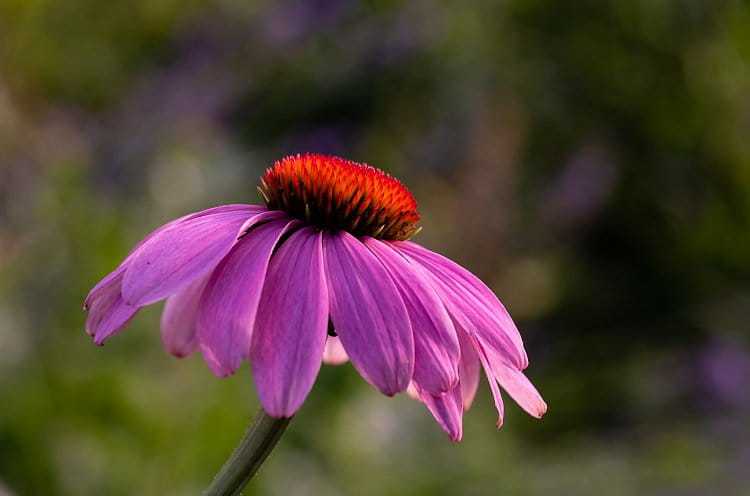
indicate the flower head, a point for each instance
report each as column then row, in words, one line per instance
column 323, row 273
column 337, row 194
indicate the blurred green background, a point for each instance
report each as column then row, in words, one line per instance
column 589, row 160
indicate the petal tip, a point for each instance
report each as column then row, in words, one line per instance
column 392, row 390
column 217, row 368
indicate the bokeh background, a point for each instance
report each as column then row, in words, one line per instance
column 589, row 160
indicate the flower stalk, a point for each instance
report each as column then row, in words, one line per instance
column 249, row 455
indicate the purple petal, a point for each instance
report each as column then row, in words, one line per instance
column 115, row 275
column 291, row 326
column 491, row 379
column 368, row 314
column 436, row 351
column 446, row 409
column 120, row 270
column 521, row 390
column 227, row 309
column 114, row 320
column 108, row 313
column 178, row 325
column 222, row 209
column 468, row 370
column 180, row 254
column 517, row 385
column 108, row 290
column 249, row 209
column 334, row 353
column 470, row 303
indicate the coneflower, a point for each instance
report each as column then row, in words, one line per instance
column 323, row 272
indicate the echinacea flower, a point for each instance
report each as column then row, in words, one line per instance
column 325, row 272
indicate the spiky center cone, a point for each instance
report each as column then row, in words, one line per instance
column 336, row 194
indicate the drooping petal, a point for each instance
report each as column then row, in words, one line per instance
column 368, row 313
column 436, row 351
column 521, row 390
column 108, row 313
column 468, row 370
column 470, row 303
column 108, row 290
column 228, row 306
column 334, row 353
column 446, row 409
column 181, row 253
column 291, row 325
column 178, row 325
column 114, row 320
column 101, row 286
column 487, row 366
column 248, row 209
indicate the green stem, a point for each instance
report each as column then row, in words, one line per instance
column 247, row 458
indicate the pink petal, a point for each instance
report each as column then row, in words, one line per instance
column 108, row 313
column 222, row 209
column 108, row 290
column 468, row 370
column 334, row 353
column 368, row 314
column 436, row 351
column 521, row 390
column 178, row 324
column 491, row 379
column 249, row 209
column 181, row 253
column 227, row 309
column 114, row 320
column 470, row 303
column 446, row 409
column 115, row 275
column 291, row 326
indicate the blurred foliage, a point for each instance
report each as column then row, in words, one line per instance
column 589, row 160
